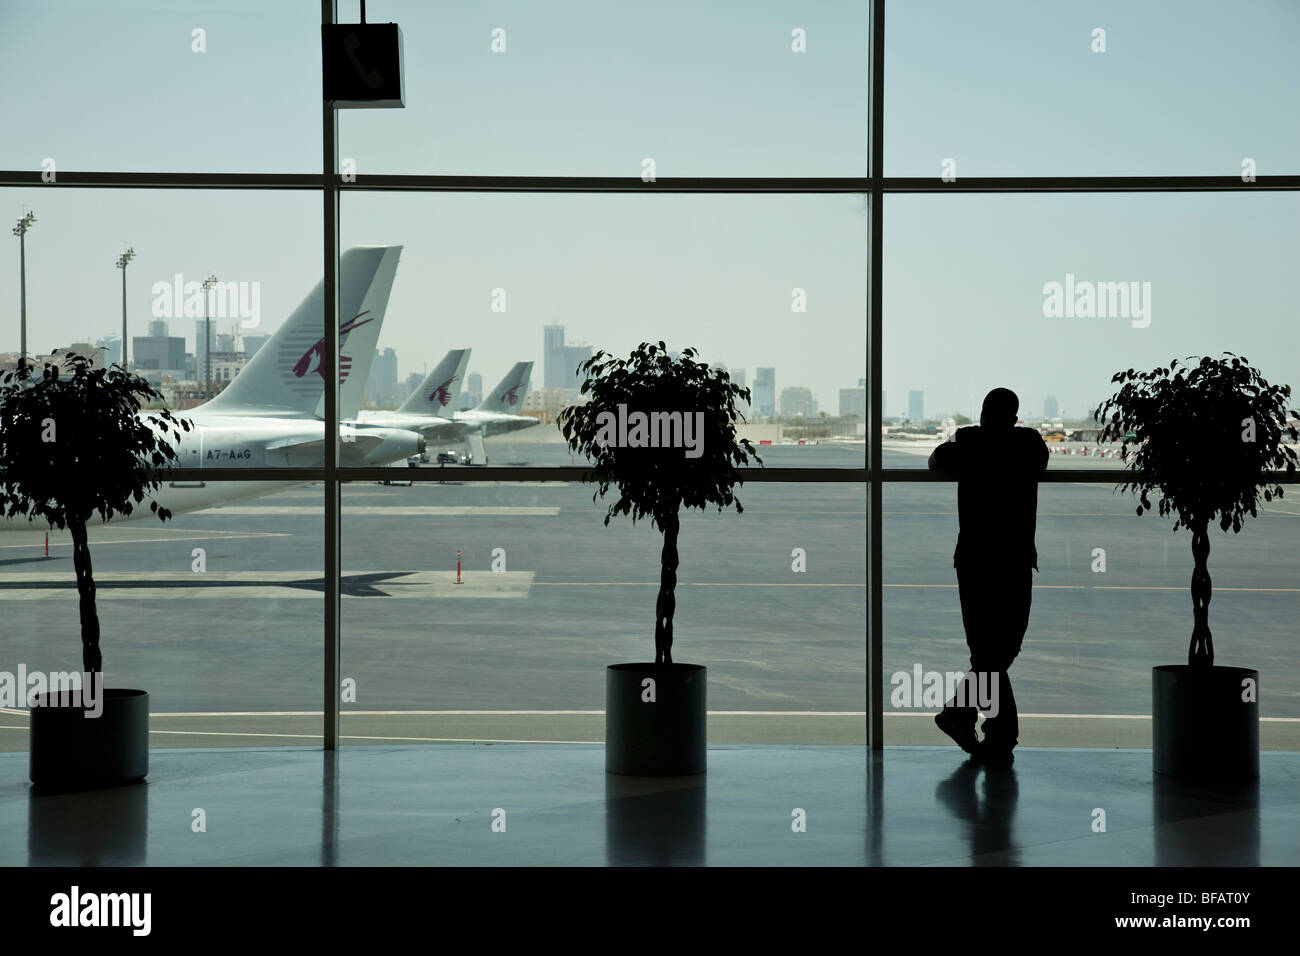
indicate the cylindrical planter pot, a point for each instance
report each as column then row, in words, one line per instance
column 1201, row 725
column 655, row 729
column 71, row 750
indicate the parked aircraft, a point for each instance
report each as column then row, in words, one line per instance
column 269, row 415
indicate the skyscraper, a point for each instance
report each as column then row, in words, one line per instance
column 1050, row 407
column 916, row 405
column 853, row 401
column 765, row 391
column 112, row 346
column 253, row 342
column 798, row 401
column 381, row 386
column 738, row 377
column 560, row 361
column 553, row 356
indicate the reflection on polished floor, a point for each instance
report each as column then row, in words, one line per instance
column 436, row 805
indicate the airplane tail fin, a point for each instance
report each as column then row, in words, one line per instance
column 438, row 391
column 509, row 395
column 284, row 378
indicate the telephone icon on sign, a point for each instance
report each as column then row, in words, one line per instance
column 373, row 78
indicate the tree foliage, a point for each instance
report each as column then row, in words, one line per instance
column 657, row 482
column 1203, row 434
column 72, row 444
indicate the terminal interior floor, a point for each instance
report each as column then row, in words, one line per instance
column 555, row 805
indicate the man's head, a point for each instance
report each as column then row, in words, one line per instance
column 999, row 411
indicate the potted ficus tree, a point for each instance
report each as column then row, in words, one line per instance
column 74, row 445
column 1203, row 435
column 661, row 429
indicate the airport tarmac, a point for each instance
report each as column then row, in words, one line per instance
column 232, row 653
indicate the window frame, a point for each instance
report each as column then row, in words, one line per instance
column 330, row 185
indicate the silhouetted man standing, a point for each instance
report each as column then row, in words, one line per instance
column 997, row 467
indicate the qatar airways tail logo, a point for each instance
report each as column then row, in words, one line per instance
column 442, row 394
column 314, row 356
column 510, row 397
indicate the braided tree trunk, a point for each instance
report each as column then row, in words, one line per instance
column 1201, row 653
column 667, row 602
column 91, row 660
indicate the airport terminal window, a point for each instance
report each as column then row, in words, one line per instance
column 771, row 287
column 951, row 270
column 196, row 87
column 550, row 596
column 1021, row 88
column 1106, row 285
column 1110, row 600
column 720, row 89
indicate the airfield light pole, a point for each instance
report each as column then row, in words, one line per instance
column 122, row 261
column 20, row 231
column 208, row 283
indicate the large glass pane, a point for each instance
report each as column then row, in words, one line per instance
column 771, row 601
column 176, row 87
column 1110, row 601
column 770, row 287
column 218, row 611
column 1051, row 295
column 215, row 613
column 222, row 300
column 597, row 88
column 1105, row 88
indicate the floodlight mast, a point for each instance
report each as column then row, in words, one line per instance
column 208, row 283
column 20, row 231
column 122, row 262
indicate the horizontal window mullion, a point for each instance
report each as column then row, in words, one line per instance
column 609, row 184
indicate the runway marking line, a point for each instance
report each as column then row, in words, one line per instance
column 188, row 536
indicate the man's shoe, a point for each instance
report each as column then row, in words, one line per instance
column 963, row 736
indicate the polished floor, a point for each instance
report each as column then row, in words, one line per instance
column 554, row 805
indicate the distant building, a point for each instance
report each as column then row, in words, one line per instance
column 546, row 404
column 112, row 346
column 225, row 366
column 853, row 401
column 1051, row 409
column 916, row 406
column 798, row 400
column 158, row 328
column 738, row 377
column 201, row 343
column 409, row 385
column 560, row 361
column 157, row 356
column 472, row 394
column 254, row 342
column 381, row 386
column 765, row 391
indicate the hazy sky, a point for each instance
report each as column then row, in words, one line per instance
column 1006, row 88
